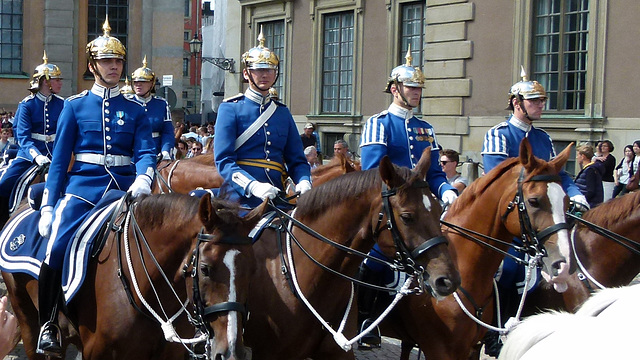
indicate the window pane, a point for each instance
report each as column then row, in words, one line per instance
column 118, row 11
column 11, row 36
column 273, row 32
column 560, row 41
column 337, row 63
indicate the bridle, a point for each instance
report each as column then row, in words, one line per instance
column 201, row 310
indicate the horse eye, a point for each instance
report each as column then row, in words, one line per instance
column 204, row 269
column 534, row 202
column 407, row 218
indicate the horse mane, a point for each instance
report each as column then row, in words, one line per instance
column 624, row 207
column 205, row 159
column 341, row 189
column 480, row 185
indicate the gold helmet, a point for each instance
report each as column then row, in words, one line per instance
column 126, row 89
column 144, row 73
column 406, row 74
column 260, row 57
column 525, row 89
column 105, row 46
column 44, row 70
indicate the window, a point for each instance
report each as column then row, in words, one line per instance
column 187, row 36
column 185, row 94
column 11, row 37
column 118, row 11
column 273, row 32
column 412, row 32
column 570, row 166
column 559, row 53
column 185, row 67
column 337, row 63
column 187, row 8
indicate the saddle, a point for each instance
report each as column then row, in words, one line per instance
column 22, row 249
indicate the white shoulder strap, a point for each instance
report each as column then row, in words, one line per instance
column 256, row 125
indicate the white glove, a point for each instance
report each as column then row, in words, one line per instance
column 41, row 160
column 142, row 185
column 166, row 155
column 448, row 197
column 303, row 186
column 46, row 219
column 263, row 190
column 580, row 199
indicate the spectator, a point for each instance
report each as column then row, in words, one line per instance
column 5, row 138
column 181, row 150
column 208, row 145
column 9, row 334
column 341, row 146
column 609, row 163
column 623, row 172
column 449, row 160
column 307, row 137
column 589, row 179
column 636, row 159
column 312, row 156
column 196, row 149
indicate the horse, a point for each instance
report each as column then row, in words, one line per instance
column 189, row 261
column 488, row 207
column 602, row 261
column 350, row 211
column 339, row 165
column 596, row 331
column 182, row 176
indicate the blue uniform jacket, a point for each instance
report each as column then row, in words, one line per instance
column 37, row 115
column 503, row 141
column 277, row 142
column 589, row 181
column 159, row 114
column 101, row 121
column 397, row 133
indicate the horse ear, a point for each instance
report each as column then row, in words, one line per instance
column 252, row 218
column 526, row 155
column 424, row 163
column 561, row 159
column 388, row 173
column 206, row 211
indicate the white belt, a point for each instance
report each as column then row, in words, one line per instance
column 42, row 137
column 155, row 134
column 109, row 160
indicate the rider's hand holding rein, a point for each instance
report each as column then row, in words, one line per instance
column 141, row 186
column 448, row 197
column 41, row 160
column 303, row 187
column 46, row 219
column 263, row 190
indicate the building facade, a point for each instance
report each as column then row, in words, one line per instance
column 337, row 55
column 62, row 28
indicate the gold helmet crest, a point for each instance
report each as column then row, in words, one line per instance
column 406, row 74
column 105, row 46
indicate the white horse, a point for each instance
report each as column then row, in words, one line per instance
column 605, row 327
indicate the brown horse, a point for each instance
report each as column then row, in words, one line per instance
column 603, row 261
column 440, row 328
column 182, row 176
column 349, row 210
column 183, row 251
column 339, row 165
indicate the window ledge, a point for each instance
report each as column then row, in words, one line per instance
column 14, row 76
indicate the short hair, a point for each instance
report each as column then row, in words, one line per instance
column 585, row 149
column 451, row 154
column 342, row 143
column 609, row 144
column 308, row 150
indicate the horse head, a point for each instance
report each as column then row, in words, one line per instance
column 413, row 218
column 224, row 269
column 546, row 202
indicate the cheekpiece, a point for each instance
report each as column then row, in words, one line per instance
column 143, row 73
column 260, row 57
column 406, row 74
column 526, row 88
column 106, row 46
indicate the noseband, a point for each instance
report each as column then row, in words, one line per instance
column 405, row 259
column 533, row 240
column 201, row 311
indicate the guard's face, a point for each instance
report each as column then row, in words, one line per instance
column 410, row 93
column 56, row 85
column 110, row 69
column 263, row 78
column 141, row 88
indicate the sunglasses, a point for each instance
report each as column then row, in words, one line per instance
column 444, row 162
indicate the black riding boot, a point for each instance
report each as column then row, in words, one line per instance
column 4, row 210
column 49, row 290
column 367, row 299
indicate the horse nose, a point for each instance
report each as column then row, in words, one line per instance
column 445, row 286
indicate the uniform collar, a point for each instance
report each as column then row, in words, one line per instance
column 400, row 111
column 142, row 99
column 43, row 97
column 520, row 124
column 105, row 93
column 257, row 97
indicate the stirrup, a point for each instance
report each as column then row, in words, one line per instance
column 52, row 349
column 372, row 340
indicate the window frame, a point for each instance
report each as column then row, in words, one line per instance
column 350, row 57
column 96, row 10
column 280, row 51
column 14, row 45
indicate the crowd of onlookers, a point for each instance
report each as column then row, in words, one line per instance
column 193, row 140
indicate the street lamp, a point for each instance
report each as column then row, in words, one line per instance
column 195, row 47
